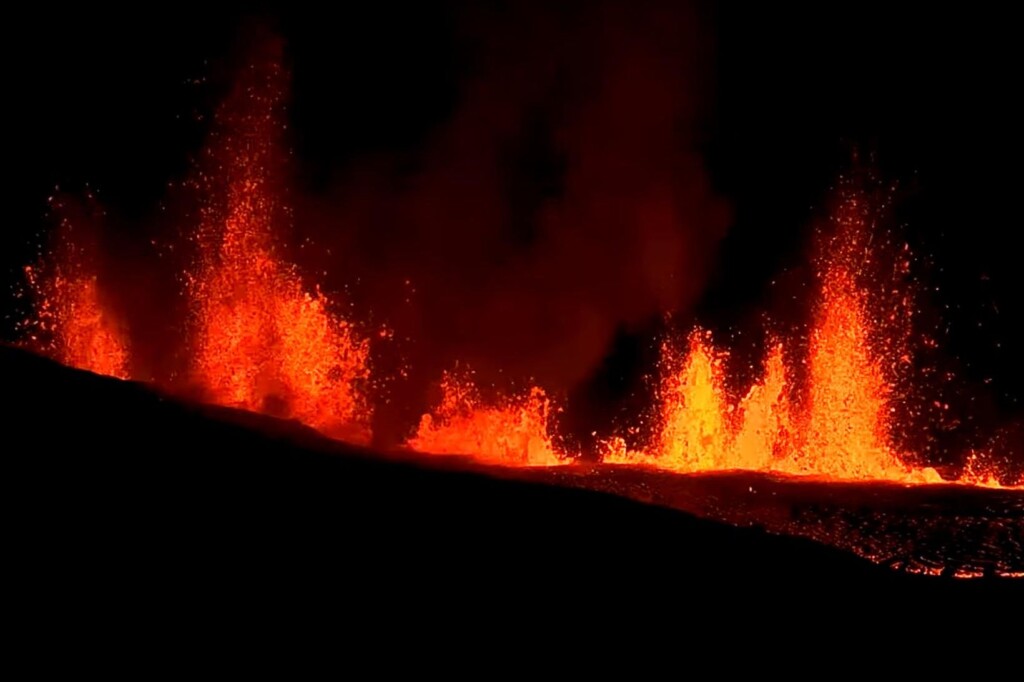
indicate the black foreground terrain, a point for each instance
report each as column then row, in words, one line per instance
column 146, row 510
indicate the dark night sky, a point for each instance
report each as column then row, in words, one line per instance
column 104, row 96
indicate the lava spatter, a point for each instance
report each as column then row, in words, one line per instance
column 72, row 321
column 261, row 339
column 514, row 432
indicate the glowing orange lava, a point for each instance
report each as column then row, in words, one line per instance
column 514, row 433
column 764, row 438
column 980, row 470
column 847, row 421
column 842, row 428
column 695, row 432
column 262, row 341
column 71, row 323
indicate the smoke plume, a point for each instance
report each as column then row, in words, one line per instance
column 564, row 198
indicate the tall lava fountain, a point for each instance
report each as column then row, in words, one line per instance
column 261, row 340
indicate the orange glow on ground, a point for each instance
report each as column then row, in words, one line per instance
column 513, row 433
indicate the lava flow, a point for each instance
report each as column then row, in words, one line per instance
column 515, row 433
column 71, row 322
column 261, row 341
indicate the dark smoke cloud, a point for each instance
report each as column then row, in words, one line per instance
column 565, row 197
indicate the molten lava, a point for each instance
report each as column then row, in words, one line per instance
column 841, row 429
column 981, row 470
column 83, row 334
column 72, row 324
column 261, row 341
column 764, row 439
column 847, row 421
column 855, row 359
column 695, row 414
column 514, row 433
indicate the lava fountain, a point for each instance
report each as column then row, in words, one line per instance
column 847, row 429
column 262, row 341
column 855, row 359
column 764, row 439
column 839, row 428
column 72, row 322
column 695, row 414
column 514, row 432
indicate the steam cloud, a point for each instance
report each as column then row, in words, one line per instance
column 565, row 197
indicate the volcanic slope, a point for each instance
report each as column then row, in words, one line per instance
column 129, row 501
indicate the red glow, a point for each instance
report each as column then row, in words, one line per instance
column 842, row 429
column 262, row 341
column 513, row 433
column 72, row 323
